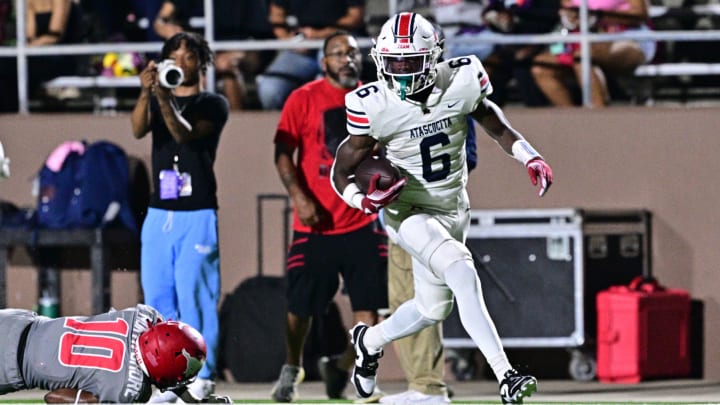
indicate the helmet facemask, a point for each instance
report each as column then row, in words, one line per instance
column 406, row 73
column 406, row 53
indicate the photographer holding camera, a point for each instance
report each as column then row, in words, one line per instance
column 179, row 266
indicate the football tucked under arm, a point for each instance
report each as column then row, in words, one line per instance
column 387, row 173
column 70, row 396
column 349, row 157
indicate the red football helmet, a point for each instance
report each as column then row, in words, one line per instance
column 170, row 353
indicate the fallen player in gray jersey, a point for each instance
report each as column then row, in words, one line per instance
column 112, row 357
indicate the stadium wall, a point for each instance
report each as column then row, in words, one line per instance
column 661, row 159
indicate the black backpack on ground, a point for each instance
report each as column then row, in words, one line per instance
column 252, row 322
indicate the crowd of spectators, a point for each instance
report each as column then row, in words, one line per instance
column 534, row 75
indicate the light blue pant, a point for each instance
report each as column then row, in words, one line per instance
column 288, row 71
column 180, row 272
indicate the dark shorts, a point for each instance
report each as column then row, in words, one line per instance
column 316, row 262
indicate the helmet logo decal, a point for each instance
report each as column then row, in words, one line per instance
column 192, row 366
column 404, row 28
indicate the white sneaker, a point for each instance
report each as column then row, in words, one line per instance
column 374, row 397
column 201, row 388
column 414, row 397
column 167, row 397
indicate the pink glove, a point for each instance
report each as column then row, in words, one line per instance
column 376, row 199
column 538, row 168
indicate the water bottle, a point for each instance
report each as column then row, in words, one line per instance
column 48, row 305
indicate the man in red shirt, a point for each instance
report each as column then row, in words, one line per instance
column 330, row 238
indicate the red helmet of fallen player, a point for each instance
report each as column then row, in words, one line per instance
column 170, row 353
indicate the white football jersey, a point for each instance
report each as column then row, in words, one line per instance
column 426, row 142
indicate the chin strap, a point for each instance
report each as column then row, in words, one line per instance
column 403, row 81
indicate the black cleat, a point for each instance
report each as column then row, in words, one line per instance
column 365, row 371
column 515, row 387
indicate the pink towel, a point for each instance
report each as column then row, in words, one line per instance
column 55, row 161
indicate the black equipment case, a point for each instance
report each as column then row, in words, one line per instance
column 540, row 270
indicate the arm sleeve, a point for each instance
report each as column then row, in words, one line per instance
column 220, row 110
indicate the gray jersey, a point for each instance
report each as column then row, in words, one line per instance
column 92, row 353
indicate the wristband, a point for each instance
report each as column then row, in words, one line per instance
column 524, row 152
column 353, row 196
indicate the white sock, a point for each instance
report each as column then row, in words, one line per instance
column 405, row 321
column 500, row 365
column 465, row 284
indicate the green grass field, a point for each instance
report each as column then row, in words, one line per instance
column 267, row 401
column 565, row 392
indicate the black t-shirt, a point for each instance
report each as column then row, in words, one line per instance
column 73, row 28
column 195, row 157
column 184, row 9
column 318, row 13
column 242, row 19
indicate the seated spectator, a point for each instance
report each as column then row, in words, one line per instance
column 513, row 61
column 8, row 66
column 147, row 9
column 462, row 19
column 315, row 19
column 174, row 16
column 106, row 20
column 561, row 62
column 482, row 21
column 236, row 68
column 6, row 22
column 51, row 22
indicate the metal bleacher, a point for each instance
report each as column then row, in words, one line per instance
column 687, row 70
column 678, row 75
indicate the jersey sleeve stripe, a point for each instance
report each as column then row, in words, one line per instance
column 350, row 124
column 484, row 83
column 357, row 117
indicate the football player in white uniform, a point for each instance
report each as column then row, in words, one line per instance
column 417, row 111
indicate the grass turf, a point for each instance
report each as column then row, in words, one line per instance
column 528, row 402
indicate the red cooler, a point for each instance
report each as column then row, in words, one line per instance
column 642, row 332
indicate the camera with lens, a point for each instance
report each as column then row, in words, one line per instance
column 169, row 74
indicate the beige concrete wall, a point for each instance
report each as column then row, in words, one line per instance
column 664, row 160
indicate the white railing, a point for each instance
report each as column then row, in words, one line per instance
column 584, row 37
